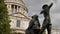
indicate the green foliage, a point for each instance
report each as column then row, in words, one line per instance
column 4, row 19
column 14, row 33
column 1, row 1
column 44, row 32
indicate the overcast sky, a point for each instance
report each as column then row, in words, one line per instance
column 35, row 7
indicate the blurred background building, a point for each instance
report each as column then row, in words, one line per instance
column 17, row 12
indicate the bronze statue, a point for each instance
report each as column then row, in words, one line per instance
column 47, row 21
column 34, row 26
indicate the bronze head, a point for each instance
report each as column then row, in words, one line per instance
column 35, row 16
column 44, row 6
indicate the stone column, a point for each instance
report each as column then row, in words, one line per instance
column 14, row 9
column 17, row 9
column 9, row 9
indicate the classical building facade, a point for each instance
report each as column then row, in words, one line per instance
column 17, row 12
